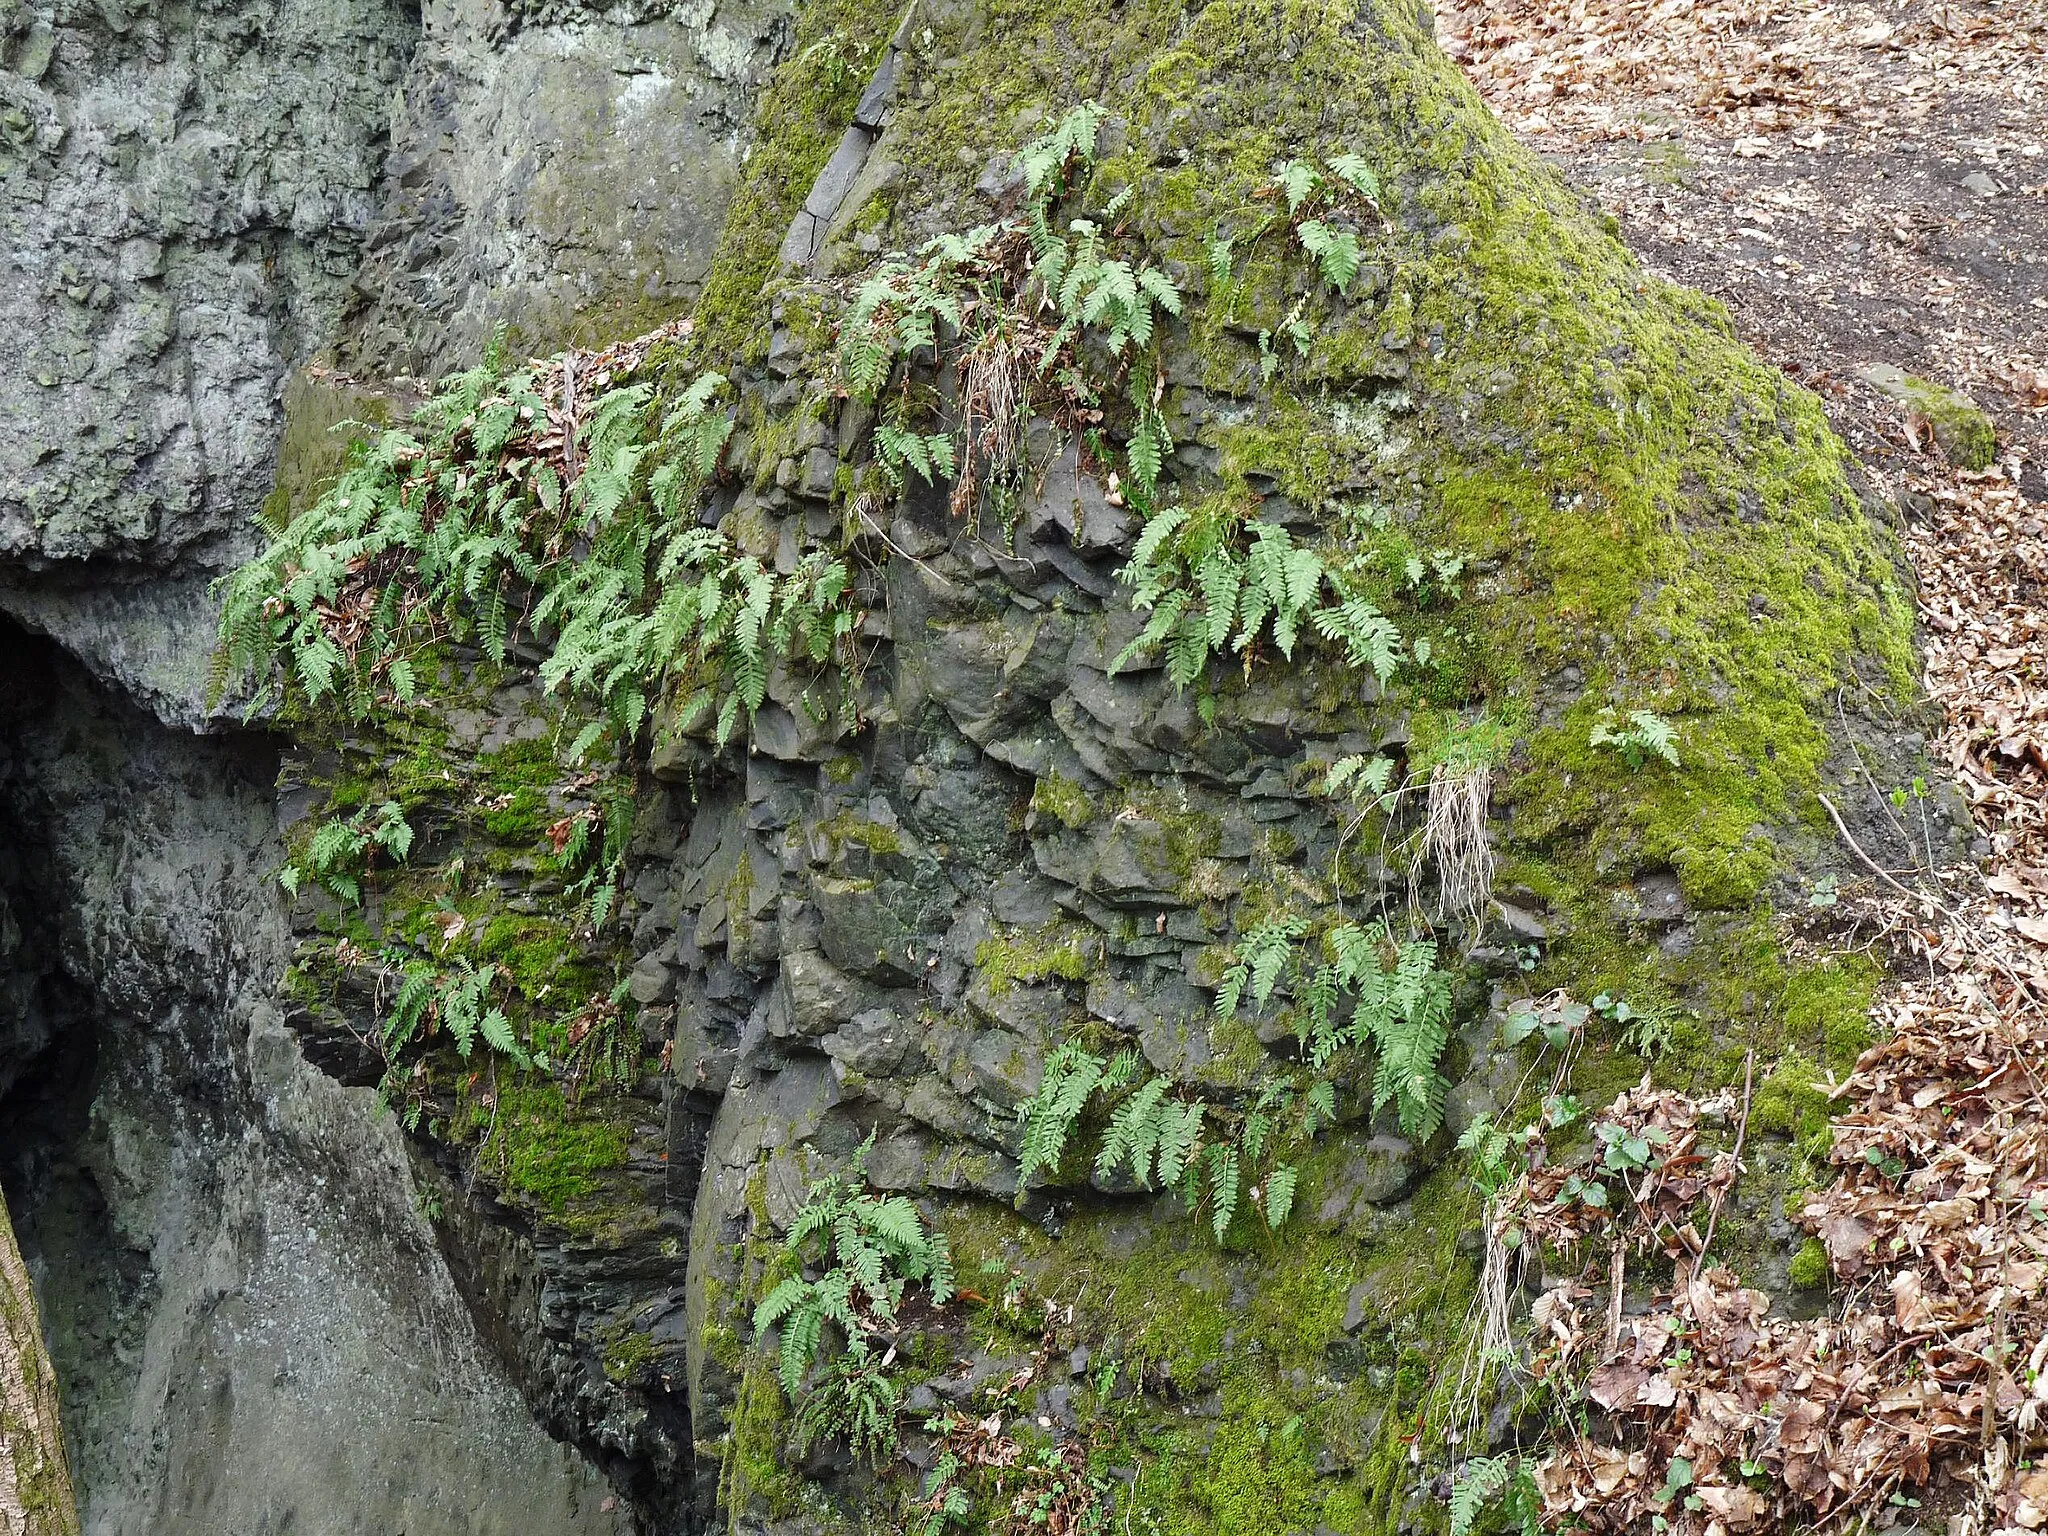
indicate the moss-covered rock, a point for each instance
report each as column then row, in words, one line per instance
column 1958, row 422
column 986, row 842
column 1650, row 522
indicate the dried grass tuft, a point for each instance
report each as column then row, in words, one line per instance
column 1454, row 839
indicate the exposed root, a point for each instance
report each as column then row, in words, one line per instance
column 1490, row 1345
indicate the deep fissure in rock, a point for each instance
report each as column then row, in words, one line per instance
column 233, row 1266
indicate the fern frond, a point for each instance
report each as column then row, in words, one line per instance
column 1279, row 1196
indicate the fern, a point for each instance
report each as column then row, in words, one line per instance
column 1045, row 160
column 1356, row 173
column 1261, row 954
column 1223, row 1188
column 1403, row 1009
column 1180, row 1138
column 1298, row 181
column 1148, row 448
column 1643, row 737
column 1207, row 592
column 1482, row 1479
column 928, row 456
column 1132, row 1139
column 428, row 530
column 870, row 1249
column 1335, row 250
column 1071, row 1074
column 1280, row 1185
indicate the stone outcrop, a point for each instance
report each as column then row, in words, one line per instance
column 239, row 1271
column 860, row 931
column 245, row 1304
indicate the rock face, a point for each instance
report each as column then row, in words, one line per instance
column 254, row 1322
column 564, row 181
column 252, row 1325
column 983, row 837
column 862, row 931
column 177, row 240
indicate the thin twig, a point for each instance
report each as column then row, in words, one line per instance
column 1617, row 1275
column 1741, row 1131
column 1868, row 862
column 1876, row 794
column 569, row 413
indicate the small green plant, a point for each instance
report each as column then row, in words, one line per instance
column 340, row 851
column 945, row 1502
column 1556, row 1017
column 869, row 1248
column 1624, row 1151
column 1491, row 1150
column 1485, row 1479
column 457, row 1000
column 1155, row 1137
column 854, row 1402
column 1641, row 738
column 1645, row 1031
column 1210, row 590
column 1401, row 1006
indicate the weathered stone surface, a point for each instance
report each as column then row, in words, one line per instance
column 1384, row 1170
column 179, row 239
column 565, row 181
column 251, row 1319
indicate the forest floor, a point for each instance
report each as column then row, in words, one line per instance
column 1861, row 182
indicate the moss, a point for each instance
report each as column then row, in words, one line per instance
column 1791, row 1101
column 1960, row 425
column 803, row 111
column 755, row 1468
column 324, row 416
column 1259, row 1328
column 1809, row 1268
column 1664, row 513
column 522, row 765
column 541, row 956
column 1261, row 1473
column 555, row 1155
column 519, row 816
column 1058, row 951
column 1062, row 799
column 1827, row 1004
column 871, row 835
column 626, row 1354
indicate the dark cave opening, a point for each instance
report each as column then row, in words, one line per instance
column 159, row 1111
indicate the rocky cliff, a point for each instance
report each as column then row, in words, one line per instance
column 1180, row 680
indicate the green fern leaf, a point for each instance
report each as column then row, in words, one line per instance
column 1223, row 1189
column 1279, row 1196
